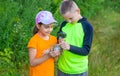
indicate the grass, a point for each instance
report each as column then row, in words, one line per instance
column 104, row 58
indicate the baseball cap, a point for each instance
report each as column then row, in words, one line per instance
column 45, row 17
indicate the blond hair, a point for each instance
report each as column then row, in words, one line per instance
column 68, row 6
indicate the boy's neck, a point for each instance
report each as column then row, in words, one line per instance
column 79, row 17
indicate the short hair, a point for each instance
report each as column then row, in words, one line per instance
column 68, row 6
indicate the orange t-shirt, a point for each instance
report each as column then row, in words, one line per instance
column 47, row 67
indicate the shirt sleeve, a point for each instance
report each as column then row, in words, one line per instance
column 88, row 30
column 32, row 43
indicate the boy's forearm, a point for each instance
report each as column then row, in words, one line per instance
column 80, row 51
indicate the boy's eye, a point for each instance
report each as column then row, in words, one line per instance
column 70, row 18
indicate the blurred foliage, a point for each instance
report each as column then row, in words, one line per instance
column 17, row 19
column 90, row 8
column 113, row 4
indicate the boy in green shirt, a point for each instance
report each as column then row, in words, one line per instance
column 76, row 46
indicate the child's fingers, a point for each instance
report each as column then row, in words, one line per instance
column 61, row 40
column 57, row 52
column 54, row 53
column 46, row 51
column 65, row 46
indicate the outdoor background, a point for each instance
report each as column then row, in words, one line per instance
column 17, row 19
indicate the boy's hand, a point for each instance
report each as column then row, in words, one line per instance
column 60, row 40
column 64, row 45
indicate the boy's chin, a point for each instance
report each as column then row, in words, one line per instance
column 73, row 22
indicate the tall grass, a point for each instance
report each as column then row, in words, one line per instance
column 104, row 57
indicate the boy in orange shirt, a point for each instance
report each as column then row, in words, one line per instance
column 40, row 57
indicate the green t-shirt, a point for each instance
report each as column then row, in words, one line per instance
column 69, row 62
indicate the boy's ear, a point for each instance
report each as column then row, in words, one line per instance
column 78, row 10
